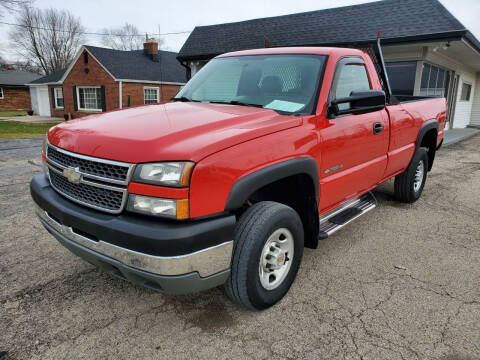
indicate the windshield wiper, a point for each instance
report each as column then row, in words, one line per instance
column 235, row 102
column 184, row 99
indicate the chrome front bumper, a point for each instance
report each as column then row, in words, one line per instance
column 206, row 262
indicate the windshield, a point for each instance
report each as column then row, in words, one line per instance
column 284, row 83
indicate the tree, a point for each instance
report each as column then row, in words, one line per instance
column 3, row 63
column 12, row 5
column 125, row 38
column 18, row 65
column 48, row 39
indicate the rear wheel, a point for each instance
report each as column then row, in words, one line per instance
column 409, row 184
column 267, row 253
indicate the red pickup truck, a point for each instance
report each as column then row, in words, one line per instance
column 262, row 153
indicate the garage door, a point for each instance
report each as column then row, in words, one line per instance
column 43, row 101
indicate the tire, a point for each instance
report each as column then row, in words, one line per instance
column 408, row 187
column 265, row 222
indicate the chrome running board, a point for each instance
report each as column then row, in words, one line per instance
column 345, row 213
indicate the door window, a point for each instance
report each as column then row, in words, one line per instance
column 352, row 77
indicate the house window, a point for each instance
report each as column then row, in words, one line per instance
column 58, row 98
column 151, row 95
column 401, row 75
column 1, row 93
column 89, row 98
column 466, row 91
column 434, row 81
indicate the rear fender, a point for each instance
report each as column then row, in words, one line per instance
column 424, row 129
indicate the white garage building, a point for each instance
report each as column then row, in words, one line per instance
column 40, row 95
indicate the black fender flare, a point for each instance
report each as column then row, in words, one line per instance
column 426, row 126
column 247, row 185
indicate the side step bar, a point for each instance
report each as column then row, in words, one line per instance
column 345, row 213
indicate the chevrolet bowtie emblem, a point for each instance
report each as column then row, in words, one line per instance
column 72, row 174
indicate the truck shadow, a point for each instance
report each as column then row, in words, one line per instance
column 384, row 194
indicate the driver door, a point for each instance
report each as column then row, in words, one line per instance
column 354, row 146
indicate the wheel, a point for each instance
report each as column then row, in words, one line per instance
column 409, row 184
column 267, row 253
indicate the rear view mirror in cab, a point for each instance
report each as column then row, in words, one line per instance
column 359, row 102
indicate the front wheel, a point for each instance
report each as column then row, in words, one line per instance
column 267, row 253
column 409, row 184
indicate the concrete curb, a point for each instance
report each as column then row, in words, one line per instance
column 454, row 136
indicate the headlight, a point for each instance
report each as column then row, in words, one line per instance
column 175, row 174
column 172, row 208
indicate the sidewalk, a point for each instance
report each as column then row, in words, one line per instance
column 34, row 119
column 453, row 136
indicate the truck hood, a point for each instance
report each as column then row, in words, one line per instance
column 171, row 131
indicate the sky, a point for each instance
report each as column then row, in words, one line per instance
column 178, row 16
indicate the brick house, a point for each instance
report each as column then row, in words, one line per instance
column 101, row 79
column 14, row 93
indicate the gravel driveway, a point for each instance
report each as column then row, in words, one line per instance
column 402, row 282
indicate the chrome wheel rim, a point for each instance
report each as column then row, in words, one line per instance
column 417, row 182
column 276, row 258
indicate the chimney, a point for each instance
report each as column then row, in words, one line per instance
column 150, row 49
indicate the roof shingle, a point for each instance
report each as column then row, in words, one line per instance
column 397, row 19
column 52, row 78
column 134, row 65
column 16, row 77
column 131, row 65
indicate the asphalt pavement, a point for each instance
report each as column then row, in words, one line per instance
column 402, row 282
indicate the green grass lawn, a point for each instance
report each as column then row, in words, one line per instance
column 17, row 130
column 8, row 113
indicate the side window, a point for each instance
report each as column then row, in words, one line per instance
column 352, row 77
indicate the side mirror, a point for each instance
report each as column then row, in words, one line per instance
column 360, row 102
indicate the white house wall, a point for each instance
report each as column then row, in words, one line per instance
column 475, row 120
column 465, row 112
column 463, row 109
column 392, row 53
column 34, row 100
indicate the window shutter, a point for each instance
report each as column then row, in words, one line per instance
column 75, row 105
column 102, row 98
column 52, row 92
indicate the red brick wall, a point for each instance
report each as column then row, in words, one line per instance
column 15, row 98
column 97, row 76
column 135, row 90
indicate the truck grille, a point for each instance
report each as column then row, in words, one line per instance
column 104, row 170
column 88, row 195
column 102, row 184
